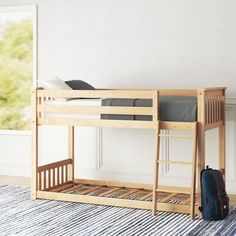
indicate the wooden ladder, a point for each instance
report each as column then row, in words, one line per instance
column 191, row 126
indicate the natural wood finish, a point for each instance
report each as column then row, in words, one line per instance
column 44, row 180
column 145, row 196
column 222, row 150
column 108, row 192
column 215, row 89
column 34, row 135
column 25, row 181
column 194, row 160
column 170, row 125
column 40, row 180
column 174, row 136
column 49, row 178
column 161, row 188
column 53, row 175
column 128, row 193
column 54, row 165
column 62, row 174
column 193, row 163
column 211, row 114
column 175, row 162
column 213, row 125
column 168, row 197
column 178, row 92
column 145, row 94
column 222, row 140
column 214, row 92
column 114, row 184
column 58, row 186
column 112, row 201
column 89, row 190
column 62, row 188
column 201, row 140
column 186, row 201
column 97, row 123
column 58, row 175
column 155, row 107
column 213, row 108
column 71, row 148
column 89, row 109
column 156, row 169
column 171, row 189
column 75, row 187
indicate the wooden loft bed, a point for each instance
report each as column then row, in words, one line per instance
column 56, row 180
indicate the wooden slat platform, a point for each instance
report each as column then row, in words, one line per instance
column 132, row 197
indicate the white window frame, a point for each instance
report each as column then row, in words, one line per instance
column 34, row 11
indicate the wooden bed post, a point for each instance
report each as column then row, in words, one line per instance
column 34, row 133
column 201, row 139
column 71, row 141
column 222, row 145
column 194, row 160
column 156, row 169
column 156, row 126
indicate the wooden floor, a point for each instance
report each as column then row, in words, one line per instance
column 25, row 181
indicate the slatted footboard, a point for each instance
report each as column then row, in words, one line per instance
column 54, row 175
column 211, row 107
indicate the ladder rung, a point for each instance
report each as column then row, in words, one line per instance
column 175, row 162
column 173, row 190
column 174, row 136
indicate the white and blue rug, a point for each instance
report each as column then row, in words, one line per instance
column 19, row 215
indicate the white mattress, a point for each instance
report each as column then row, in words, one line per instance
column 81, row 102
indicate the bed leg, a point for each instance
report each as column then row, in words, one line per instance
column 71, row 141
column 201, row 160
column 156, row 169
column 222, row 150
column 34, row 135
column 194, row 160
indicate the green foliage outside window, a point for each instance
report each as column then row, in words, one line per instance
column 16, row 75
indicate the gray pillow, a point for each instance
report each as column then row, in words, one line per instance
column 79, row 85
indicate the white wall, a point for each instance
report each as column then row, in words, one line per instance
column 15, row 151
column 136, row 44
column 140, row 43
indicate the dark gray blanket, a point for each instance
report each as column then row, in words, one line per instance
column 172, row 108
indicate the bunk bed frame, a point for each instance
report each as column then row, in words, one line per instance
column 57, row 181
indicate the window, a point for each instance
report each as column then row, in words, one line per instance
column 16, row 68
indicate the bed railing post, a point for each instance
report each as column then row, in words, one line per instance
column 34, row 135
column 71, row 141
column 222, row 145
column 155, row 107
column 155, row 119
column 201, row 139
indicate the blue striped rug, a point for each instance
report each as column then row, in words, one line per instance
column 19, row 215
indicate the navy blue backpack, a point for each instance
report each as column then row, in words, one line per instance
column 215, row 202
